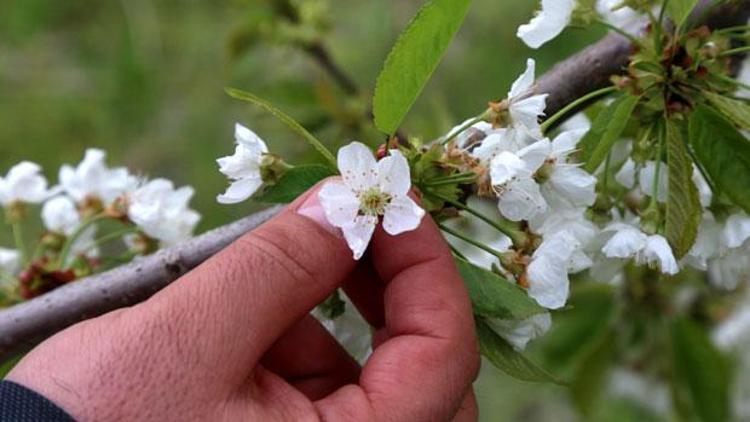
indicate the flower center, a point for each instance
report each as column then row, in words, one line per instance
column 373, row 202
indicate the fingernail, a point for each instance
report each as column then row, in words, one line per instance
column 313, row 210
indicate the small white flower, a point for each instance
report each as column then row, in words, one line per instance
column 24, row 183
column 734, row 332
column 730, row 269
column 626, row 175
column 574, row 222
column 629, row 242
column 705, row 193
column 620, row 16
column 577, row 122
column 708, row 245
column 512, row 176
column 369, row 190
column 736, row 230
column 163, row 212
column 93, row 180
column 244, row 167
column 520, row 333
column 548, row 23
column 547, row 274
column 568, row 185
column 60, row 215
column 10, row 261
column 647, row 177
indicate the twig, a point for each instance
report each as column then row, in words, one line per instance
column 27, row 323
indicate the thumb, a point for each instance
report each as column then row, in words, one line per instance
column 234, row 306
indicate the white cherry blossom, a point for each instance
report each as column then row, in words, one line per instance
column 549, row 22
column 476, row 229
column 629, row 242
column 93, row 180
column 568, row 186
column 10, row 261
column 736, row 230
column 574, row 222
column 60, row 215
column 520, row 332
column 368, row 190
column 547, row 274
column 617, row 14
column 163, row 212
column 512, row 176
column 24, row 183
column 244, row 167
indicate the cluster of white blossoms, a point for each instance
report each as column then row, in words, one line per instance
column 556, row 15
column 85, row 194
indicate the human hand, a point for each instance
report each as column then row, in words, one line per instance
column 233, row 339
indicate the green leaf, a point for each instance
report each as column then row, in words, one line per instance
column 286, row 119
column 605, row 131
column 495, row 297
column 684, row 210
column 723, row 152
column 294, row 183
column 734, row 110
column 414, row 58
column 577, row 332
column 679, row 10
column 588, row 383
column 504, row 357
column 701, row 374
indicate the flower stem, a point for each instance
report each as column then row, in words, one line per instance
column 18, row 239
column 572, row 106
column 733, row 29
column 111, row 236
column 733, row 81
column 456, row 178
column 608, row 25
column 70, row 241
column 502, row 225
column 738, row 50
column 465, row 127
column 470, row 241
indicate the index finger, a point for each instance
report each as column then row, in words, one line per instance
column 426, row 367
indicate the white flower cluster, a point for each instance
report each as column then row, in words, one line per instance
column 555, row 15
column 92, row 188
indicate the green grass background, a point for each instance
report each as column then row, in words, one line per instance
column 144, row 79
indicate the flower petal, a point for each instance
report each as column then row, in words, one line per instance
column 626, row 175
column 402, row 215
column 626, row 243
column 526, row 113
column 647, row 177
column 250, row 140
column 521, row 199
column 548, row 24
column 357, row 166
column 519, row 333
column 394, row 176
column 547, row 274
column 737, row 230
column 240, row 190
column 535, row 155
column 523, row 84
column 657, row 251
column 574, row 185
column 339, row 202
column 505, row 166
column 359, row 233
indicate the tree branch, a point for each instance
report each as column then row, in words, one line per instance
column 593, row 67
column 24, row 324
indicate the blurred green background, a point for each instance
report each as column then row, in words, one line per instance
column 144, row 80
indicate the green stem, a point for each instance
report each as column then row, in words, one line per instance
column 470, row 241
column 458, row 178
column 18, row 239
column 464, row 127
column 75, row 235
column 733, row 81
column 458, row 253
column 608, row 25
column 502, row 225
column 575, row 104
column 655, row 187
column 111, row 236
column 738, row 50
column 732, row 29
column 607, row 164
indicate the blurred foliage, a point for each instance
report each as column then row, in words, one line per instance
column 144, row 80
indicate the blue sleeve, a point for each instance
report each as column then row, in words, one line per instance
column 19, row 404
